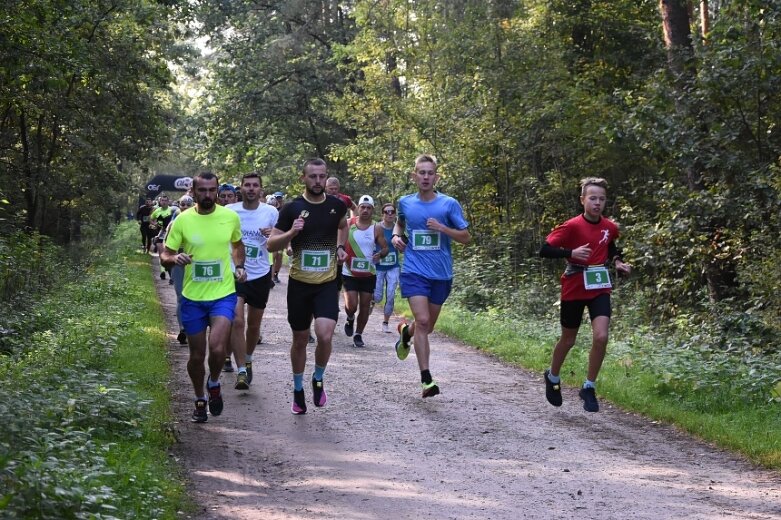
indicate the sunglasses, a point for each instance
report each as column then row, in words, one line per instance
column 389, row 211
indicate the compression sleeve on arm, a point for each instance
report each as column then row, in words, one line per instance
column 549, row 251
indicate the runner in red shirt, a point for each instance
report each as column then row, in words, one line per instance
column 588, row 243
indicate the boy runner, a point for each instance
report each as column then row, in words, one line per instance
column 588, row 243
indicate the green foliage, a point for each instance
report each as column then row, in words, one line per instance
column 82, row 91
column 93, row 444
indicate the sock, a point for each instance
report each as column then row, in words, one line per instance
column 319, row 371
column 425, row 377
column 212, row 384
column 200, row 398
column 248, row 358
column 589, row 384
column 243, row 369
column 553, row 379
column 298, row 381
column 349, row 318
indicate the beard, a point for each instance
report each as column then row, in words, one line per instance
column 206, row 203
column 316, row 191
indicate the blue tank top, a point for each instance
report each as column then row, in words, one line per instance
column 392, row 260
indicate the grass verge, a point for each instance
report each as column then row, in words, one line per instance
column 90, row 374
column 751, row 429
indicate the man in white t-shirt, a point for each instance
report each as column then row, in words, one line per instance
column 257, row 221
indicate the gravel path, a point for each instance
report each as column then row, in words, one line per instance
column 488, row 447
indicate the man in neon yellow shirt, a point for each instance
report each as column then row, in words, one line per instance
column 206, row 235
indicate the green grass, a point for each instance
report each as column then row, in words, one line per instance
column 751, row 429
column 93, row 367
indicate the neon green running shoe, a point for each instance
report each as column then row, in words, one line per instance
column 403, row 345
column 430, row 390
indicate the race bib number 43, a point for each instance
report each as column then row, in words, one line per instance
column 423, row 240
column 207, row 271
column 596, row 278
column 315, row 261
column 389, row 260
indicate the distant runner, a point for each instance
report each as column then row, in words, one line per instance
column 388, row 268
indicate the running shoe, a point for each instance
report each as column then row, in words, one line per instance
column 260, row 340
column 318, row 393
column 228, row 365
column 248, row 365
column 275, row 279
column 552, row 391
column 241, row 381
column 162, row 275
column 299, row 402
column 348, row 326
column 402, row 345
column 311, row 339
column 430, row 390
column 386, row 327
column 589, row 396
column 199, row 414
column 215, row 400
column 182, row 337
column 170, row 281
column 358, row 341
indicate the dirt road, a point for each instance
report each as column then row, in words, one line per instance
column 489, row 447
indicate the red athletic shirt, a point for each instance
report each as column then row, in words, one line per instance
column 574, row 233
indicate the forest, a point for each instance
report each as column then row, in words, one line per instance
column 675, row 103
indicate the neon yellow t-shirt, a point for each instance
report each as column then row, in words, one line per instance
column 207, row 239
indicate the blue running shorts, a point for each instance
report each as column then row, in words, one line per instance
column 196, row 315
column 436, row 291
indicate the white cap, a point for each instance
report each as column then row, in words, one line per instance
column 366, row 199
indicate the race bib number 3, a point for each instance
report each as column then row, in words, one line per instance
column 596, row 278
column 423, row 240
column 360, row 265
column 315, row 261
column 207, row 271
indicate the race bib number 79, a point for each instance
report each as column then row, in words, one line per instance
column 425, row 240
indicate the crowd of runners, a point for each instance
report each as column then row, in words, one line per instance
column 222, row 247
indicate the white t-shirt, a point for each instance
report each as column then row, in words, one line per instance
column 256, row 262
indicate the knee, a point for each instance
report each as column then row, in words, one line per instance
column 600, row 339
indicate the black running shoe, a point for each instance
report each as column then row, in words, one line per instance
column 358, row 341
column 228, row 367
column 199, row 414
column 348, row 326
column 182, row 337
column 215, row 400
column 162, row 275
column 552, row 391
column 589, row 396
column 299, row 402
column 318, row 393
column 248, row 365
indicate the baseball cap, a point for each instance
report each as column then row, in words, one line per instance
column 366, row 199
column 279, row 194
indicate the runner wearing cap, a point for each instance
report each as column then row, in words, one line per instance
column 359, row 272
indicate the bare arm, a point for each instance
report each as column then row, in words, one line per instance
column 239, row 258
column 379, row 238
column 280, row 239
column 462, row 236
column 341, row 239
column 170, row 258
column 398, row 231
